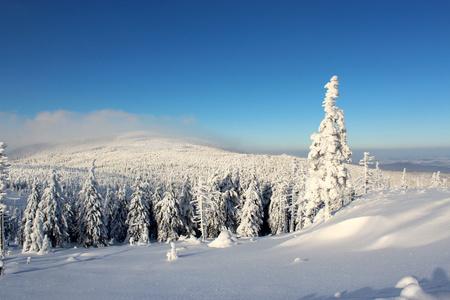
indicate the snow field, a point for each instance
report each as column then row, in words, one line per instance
column 342, row 258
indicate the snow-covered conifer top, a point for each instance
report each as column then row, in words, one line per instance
column 331, row 94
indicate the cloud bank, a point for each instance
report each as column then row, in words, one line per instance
column 50, row 126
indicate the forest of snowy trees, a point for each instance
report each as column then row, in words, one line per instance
column 140, row 200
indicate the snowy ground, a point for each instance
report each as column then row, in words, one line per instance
column 361, row 253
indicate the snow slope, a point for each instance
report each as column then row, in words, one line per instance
column 361, row 253
column 121, row 157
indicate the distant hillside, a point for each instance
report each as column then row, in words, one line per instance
column 120, row 158
column 411, row 167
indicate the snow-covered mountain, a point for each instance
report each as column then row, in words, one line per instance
column 386, row 245
column 115, row 149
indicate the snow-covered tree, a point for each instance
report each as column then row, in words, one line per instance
column 278, row 219
column 173, row 253
column 167, row 215
column 230, row 200
column 216, row 214
column 38, row 234
column 53, row 206
column 299, row 198
column 4, row 168
column 366, row 178
column 138, row 218
column 436, row 181
column 91, row 221
column 379, row 181
column 118, row 226
column 107, row 209
column 46, row 244
column 29, row 215
column 327, row 182
column 203, row 203
column 251, row 214
column 187, row 216
column 403, row 182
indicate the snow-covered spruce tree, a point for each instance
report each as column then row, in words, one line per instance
column 92, row 229
column 118, row 226
column 278, row 219
column 167, row 215
column 266, row 197
column 216, row 214
column 38, row 234
column 29, row 215
column 403, row 182
column 203, row 203
column 231, row 201
column 46, row 244
column 328, row 175
column 53, row 206
column 138, row 218
column 379, row 181
column 188, row 225
column 366, row 178
column 251, row 214
column 299, row 197
column 436, row 181
column 4, row 168
column 107, row 209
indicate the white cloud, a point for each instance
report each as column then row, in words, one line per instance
column 48, row 126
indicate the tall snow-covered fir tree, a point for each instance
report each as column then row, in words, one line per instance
column 91, row 221
column 118, row 226
column 327, row 182
column 138, row 218
column 168, row 214
column 29, row 215
column 251, row 214
column 53, row 206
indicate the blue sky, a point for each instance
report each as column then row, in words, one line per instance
column 247, row 73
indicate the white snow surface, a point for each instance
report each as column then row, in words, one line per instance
column 384, row 239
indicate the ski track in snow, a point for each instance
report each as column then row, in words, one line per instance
column 386, row 245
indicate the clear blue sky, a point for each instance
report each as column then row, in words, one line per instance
column 250, row 72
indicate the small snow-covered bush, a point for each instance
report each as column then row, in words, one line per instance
column 173, row 253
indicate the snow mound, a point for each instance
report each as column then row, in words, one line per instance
column 406, row 281
column 192, row 240
column 414, row 292
column 225, row 239
column 298, row 260
column 344, row 229
column 377, row 221
column 71, row 259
